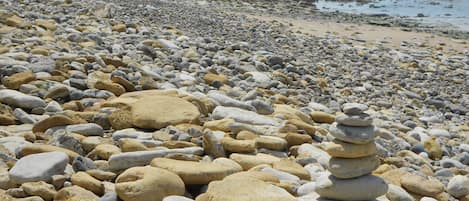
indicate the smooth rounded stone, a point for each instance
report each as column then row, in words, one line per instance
column 397, row 193
column 13, row 143
column 130, row 145
column 433, row 148
column 421, row 185
column 53, row 107
column 439, row 133
column 166, row 44
column 78, row 83
column 418, row 148
column 316, row 153
column 355, row 135
column 354, row 120
column 210, row 78
column 160, row 111
column 235, row 189
column 131, row 133
column 428, row 199
column 89, row 129
column 140, row 158
column 42, row 148
column 279, row 154
column 242, row 116
column 238, row 146
column 42, row 189
column 114, row 88
column 53, row 121
column 45, row 166
column 448, row 163
column 298, row 139
column 82, row 163
column 337, row 148
column 176, row 198
column 367, row 187
column 148, row 184
column 315, row 170
column 124, row 82
column 30, row 198
column 263, row 176
column 197, row 172
column 458, row 186
column 291, row 167
column 249, row 161
column 282, row 176
column 87, row 182
column 212, row 143
column 262, row 107
column 224, row 100
column 23, row 117
column 104, row 151
column 346, row 168
column 21, row 100
column 271, row 142
column 109, row 196
column 57, row 92
column 306, row 188
column 354, row 108
column 16, row 80
column 261, row 78
column 444, row 172
column 62, row 138
column 219, row 125
column 75, row 193
column 101, row 174
column 16, row 192
column 322, row 117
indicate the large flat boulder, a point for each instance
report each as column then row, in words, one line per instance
column 244, row 188
column 157, row 112
column 193, row 172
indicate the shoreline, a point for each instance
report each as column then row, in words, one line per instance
column 365, row 34
column 290, row 9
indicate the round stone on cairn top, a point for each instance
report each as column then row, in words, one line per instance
column 353, row 158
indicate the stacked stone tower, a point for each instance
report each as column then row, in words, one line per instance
column 353, row 158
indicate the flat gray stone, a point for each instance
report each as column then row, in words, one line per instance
column 367, row 187
column 351, row 134
column 243, row 116
column 13, row 143
column 167, row 44
column 24, row 117
column 131, row 133
column 141, row 158
column 354, row 108
column 354, row 120
column 227, row 101
column 18, row 99
column 38, row 167
column 89, row 129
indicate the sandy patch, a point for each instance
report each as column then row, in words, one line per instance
column 363, row 34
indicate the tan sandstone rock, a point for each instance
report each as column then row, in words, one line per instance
column 148, row 184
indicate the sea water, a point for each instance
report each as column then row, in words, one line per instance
column 454, row 13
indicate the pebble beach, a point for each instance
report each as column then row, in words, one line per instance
column 158, row 100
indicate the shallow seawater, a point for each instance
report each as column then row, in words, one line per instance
column 450, row 12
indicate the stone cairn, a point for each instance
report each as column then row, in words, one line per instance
column 353, row 158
